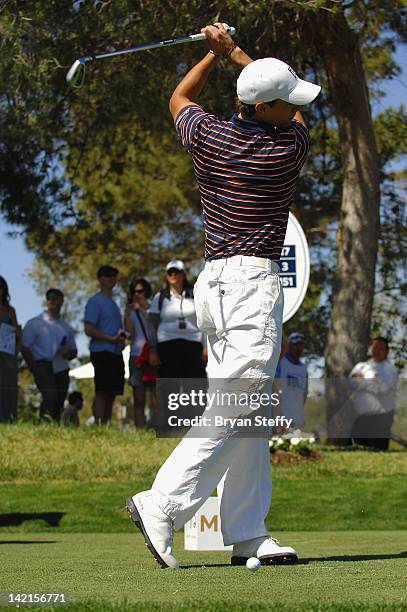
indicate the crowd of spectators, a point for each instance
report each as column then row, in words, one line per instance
column 164, row 339
column 165, row 343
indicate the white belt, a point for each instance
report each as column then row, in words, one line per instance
column 243, row 260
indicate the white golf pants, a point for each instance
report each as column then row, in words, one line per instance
column 239, row 305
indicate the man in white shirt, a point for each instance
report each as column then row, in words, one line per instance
column 374, row 386
column 291, row 381
column 48, row 345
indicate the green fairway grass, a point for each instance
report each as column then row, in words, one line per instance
column 353, row 570
column 332, row 504
column 63, row 527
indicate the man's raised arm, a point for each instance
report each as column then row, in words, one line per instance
column 221, row 45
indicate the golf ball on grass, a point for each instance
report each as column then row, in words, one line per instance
column 253, row 564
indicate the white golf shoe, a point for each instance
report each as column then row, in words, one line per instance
column 156, row 527
column 267, row 550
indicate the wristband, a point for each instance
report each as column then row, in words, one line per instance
column 228, row 53
column 224, row 55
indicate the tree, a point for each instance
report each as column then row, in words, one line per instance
column 358, row 231
column 357, row 236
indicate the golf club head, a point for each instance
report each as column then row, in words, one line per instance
column 76, row 74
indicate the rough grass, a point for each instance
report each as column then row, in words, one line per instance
column 43, row 453
column 48, row 452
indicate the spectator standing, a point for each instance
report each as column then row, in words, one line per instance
column 9, row 335
column 136, row 324
column 48, row 345
column 177, row 344
column 374, row 383
column 291, row 381
column 75, row 403
column 178, row 341
column 103, row 324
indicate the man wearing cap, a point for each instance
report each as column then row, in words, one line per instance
column 246, row 168
column 48, row 344
column 103, row 324
column 292, row 381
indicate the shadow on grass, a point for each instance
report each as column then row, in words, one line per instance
column 17, row 518
column 27, row 542
column 402, row 555
column 203, row 566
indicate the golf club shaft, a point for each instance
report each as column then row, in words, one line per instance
column 79, row 63
column 153, row 45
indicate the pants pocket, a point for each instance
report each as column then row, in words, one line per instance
column 273, row 296
column 229, row 305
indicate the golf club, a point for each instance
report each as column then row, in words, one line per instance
column 76, row 73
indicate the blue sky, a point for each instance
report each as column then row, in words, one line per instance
column 15, row 260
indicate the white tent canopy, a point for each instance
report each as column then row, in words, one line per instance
column 87, row 371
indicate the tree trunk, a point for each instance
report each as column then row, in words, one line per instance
column 357, row 235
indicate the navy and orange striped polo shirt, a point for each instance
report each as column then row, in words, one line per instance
column 247, row 174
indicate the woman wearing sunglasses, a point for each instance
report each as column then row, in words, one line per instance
column 142, row 374
column 177, row 344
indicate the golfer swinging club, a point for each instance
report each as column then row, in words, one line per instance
column 247, row 169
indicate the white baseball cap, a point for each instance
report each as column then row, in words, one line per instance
column 176, row 264
column 295, row 338
column 270, row 79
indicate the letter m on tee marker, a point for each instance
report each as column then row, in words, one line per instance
column 209, row 524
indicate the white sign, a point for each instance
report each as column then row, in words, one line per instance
column 294, row 267
column 7, row 339
column 203, row 531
